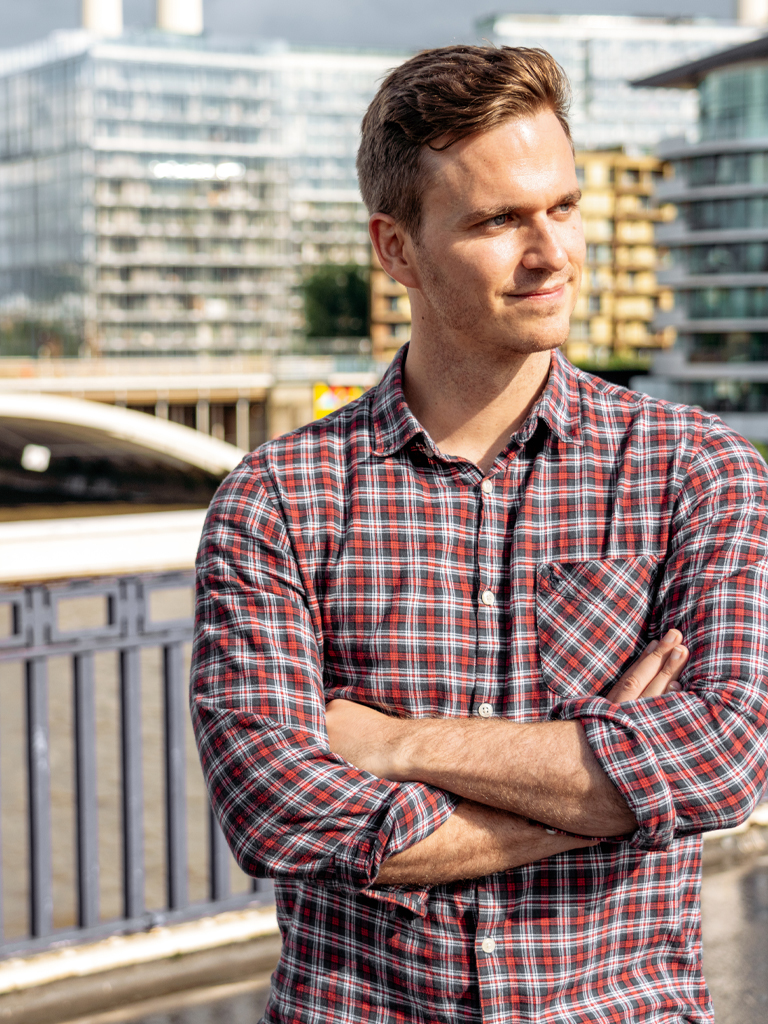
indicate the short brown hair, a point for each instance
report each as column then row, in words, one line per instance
column 447, row 93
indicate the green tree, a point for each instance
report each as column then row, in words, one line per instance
column 34, row 338
column 336, row 302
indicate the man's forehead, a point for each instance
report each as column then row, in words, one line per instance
column 522, row 136
column 531, row 154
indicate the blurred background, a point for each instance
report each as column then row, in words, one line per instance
column 185, row 272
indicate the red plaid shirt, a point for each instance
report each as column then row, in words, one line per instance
column 347, row 560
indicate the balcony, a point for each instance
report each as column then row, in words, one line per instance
column 678, row 233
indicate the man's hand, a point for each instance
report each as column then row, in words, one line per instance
column 378, row 743
column 656, row 671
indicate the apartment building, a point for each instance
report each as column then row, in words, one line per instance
column 718, row 270
column 162, row 192
column 620, row 292
column 390, row 313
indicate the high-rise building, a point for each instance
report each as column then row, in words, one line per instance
column 161, row 191
column 719, row 243
column 144, row 206
column 620, row 294
column 601, row 54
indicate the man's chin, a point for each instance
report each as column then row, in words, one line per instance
column 539, row 337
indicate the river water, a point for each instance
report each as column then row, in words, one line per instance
column 735, row 920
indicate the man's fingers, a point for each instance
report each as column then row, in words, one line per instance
column 668, row 674
column 645, row 672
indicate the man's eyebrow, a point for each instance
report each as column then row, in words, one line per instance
column 485, row 213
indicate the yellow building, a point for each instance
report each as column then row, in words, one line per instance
column 619, row 296
column 390, row 313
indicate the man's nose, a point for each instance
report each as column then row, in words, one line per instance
column 544, row 249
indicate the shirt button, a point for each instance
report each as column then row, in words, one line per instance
column 487, row 486
column 485, row 711
column 488, row 945
column 488, row 597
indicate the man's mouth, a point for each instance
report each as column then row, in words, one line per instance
column 541, row 294
column 550, row 292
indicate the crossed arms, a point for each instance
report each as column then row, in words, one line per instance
column 506, row 772
column 660, row 767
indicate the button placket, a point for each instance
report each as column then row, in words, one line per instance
column 490, row 557
column 491, row 963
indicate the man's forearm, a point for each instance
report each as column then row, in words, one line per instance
column 543, row 770
column 476, row 840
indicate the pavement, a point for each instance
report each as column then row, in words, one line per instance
column 174, row 985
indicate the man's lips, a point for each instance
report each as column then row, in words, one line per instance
column 540, row 293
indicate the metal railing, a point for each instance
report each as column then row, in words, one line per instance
column 58, row 635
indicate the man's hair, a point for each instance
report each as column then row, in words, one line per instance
column 447, row 94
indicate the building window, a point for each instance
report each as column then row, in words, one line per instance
column 599, row 253
column 747, row 257
column 719, row 303
column 731, row 347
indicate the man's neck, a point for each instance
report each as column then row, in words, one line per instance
column 470, row 406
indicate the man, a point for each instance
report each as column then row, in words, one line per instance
column 485, row 568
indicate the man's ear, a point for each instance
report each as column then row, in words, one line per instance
column 394, row 248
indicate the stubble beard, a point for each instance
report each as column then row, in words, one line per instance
column 493, row 335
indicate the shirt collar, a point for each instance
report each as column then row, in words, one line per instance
column 559, row 404
column 394, row 425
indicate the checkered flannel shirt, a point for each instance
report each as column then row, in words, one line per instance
column 347, row 559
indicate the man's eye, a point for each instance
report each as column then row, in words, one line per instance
column 499, row 220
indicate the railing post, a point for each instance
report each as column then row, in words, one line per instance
column 133, row 789
column 86, row 773
column 265, row 887
column 39, row 768
column 175, row 776
column 218, row 860
column 2, row 908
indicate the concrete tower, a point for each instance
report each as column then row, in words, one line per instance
column 182, row 16
column 103, row 17
column 753, row 12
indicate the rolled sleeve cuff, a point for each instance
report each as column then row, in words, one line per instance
column 628, row 759
column 416, row 811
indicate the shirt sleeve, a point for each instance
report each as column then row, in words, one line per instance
column 694, row 761
column 287, row 805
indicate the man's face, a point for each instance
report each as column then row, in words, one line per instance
column 501, row 248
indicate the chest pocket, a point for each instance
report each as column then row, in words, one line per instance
column 592, row 620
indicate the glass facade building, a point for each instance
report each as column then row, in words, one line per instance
column 602, row 53
column 159, row 194
column 718, row 245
